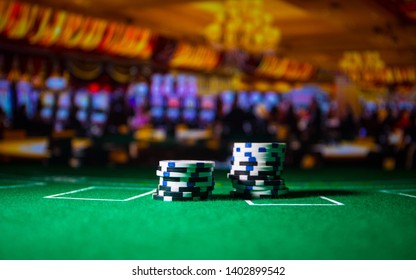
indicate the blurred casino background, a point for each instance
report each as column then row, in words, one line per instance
column 134, row 81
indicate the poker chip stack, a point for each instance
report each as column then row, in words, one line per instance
column 256, row 170
column 184, row 180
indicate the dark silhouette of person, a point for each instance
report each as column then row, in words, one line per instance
column 2, row 122
column 233, row 123
column 21, row 120
column 315, row 122
column 75, row 124
column 118, row 113
column 348, row 125
column 292, row 122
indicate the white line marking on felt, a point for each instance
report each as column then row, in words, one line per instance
column 83, row 198
column 122, row 188
column 385, row 191
column 60, row 195
column 397, row 190
column 140, row 195
column 74, row 191
column 408, row 195
column 332, row 200
column 334, row 203
column 295, row 204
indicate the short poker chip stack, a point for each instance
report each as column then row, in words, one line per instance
column 184, row 180
column 256, row 170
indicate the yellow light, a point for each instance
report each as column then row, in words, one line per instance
column 244, row 25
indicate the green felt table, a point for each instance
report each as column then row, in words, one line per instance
column 107, row 213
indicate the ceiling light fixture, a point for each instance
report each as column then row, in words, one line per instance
column 244, row 25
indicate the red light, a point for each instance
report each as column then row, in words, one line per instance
column 94, row 88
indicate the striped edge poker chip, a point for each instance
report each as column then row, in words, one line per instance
column 183, row 175
column 187, row 179
column 270, row 163
column 256, row 188
column 256, row 158
column 258, row 192
column 252, row 195
column 184, row 180
column 258, row 155
column 170, row 198
column 187, row 163
column 183, row 194
column 185, row 189
column 255, row 173
column 260, row 150
column 185, row 169
column 256, row 168
column 276, row 182
column 259, row 145
column 164, row 183
column 249, row 177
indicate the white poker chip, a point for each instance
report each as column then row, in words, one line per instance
column 179, row 194
column 257, row 188
column 209, row 183
column 256, row 168
column 256, row 192
column 241, row 157
column 185, row 169
column 183, row 175
column 258, row 183
column 259, row 150
column 269, row 174
column 187, row 163
column 246, row 195
column 259, row 145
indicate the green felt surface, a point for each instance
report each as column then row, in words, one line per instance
column 109, row 219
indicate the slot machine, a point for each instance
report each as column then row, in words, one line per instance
column 63, row 110
column 49, row 97
column 137, row 94
column 302, row 98
column 6, row 99
column 48, row 106
column 271, row 100
column 243, row 100
column 173, row 111
column 27, row 96
column 207, row 113
column 157, row 101
column 156, row 84
column 186, row 85
column 167, row 85
column 181, row 85
column 192, row 85
column 100, row 107
column 82, row 104
column 190, row 110
column 227, row 98
column 255, row 98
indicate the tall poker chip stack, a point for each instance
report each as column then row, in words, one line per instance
column 256, row 170
column 184, row 180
